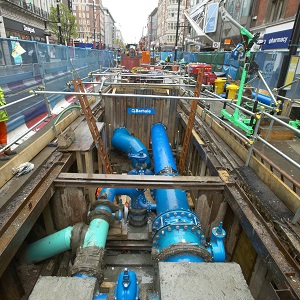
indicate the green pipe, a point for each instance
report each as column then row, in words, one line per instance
column 64, row 111
column 96, row 234
column 48, row 246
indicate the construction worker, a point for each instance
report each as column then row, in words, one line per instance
column 3, row 131
column 168, row 58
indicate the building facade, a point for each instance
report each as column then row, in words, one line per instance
column 167, row 19
column 24, row 20
column 152, row 31
column 208, row 30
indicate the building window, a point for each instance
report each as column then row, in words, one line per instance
column 238, row 8
column 172, row 26
column 172, row 13
column 275, row 10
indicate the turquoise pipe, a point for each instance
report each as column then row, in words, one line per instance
column 48, row 246
column 96, row 234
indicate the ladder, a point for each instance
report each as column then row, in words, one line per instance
column 85, row 105
column 190, row 124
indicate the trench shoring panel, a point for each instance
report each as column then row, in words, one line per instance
column 139, row 124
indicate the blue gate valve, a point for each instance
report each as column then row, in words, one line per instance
column 217, row 243
column 127, row 286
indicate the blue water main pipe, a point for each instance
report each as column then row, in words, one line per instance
column 122, row 140
column 178, row 234
column 164, row 163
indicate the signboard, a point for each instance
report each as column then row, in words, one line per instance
column 211, row 17
column 140, row 111
column 291, row 71
column 216, row 45
column 277, row 40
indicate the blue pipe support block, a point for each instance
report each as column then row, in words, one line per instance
column 127, row 287
column 162, row 152
column 96, row 234
column 123, row 141
column 48, row 246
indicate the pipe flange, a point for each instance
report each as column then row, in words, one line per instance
column 167, row 170
column 181, row 248
column 101, row 214
column 137, row 217
column 104, row 202
column 137, row 212
column 77, row 237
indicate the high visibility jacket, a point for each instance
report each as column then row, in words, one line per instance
column 3, row 113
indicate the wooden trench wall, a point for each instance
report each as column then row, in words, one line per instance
column 140, row 125
column 210, row 206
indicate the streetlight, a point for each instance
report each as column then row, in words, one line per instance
column 94, row 20
column 176, row 37
column 153, row 57
column 58, row 22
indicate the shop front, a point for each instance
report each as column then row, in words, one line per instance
column 23, row 31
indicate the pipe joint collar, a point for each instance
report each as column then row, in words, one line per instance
column 168, row 170
column 89, row 262
column 77, row 236
column 104, row 202
column 175, row 217
column 182, row 249
column 101, row 214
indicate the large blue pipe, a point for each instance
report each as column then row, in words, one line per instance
column 162, row 152
column 178, row 235
column 122, row 140
column 164, row 163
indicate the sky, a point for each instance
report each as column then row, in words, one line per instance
column 131, row 16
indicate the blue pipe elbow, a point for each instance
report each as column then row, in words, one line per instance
column 136, row 196
column 122, row 140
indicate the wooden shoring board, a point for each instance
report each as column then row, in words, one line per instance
column 34, row 148
column 279, row 188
